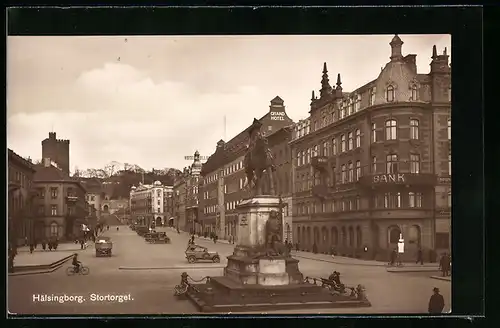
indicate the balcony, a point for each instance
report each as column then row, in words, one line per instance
column 408, row 179
column 320, row 191
column 319, row 162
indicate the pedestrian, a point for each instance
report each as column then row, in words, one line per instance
column 44, row 244
column 315, row 248
column 444, row 263
column 394, row 254
column 297, row 246
column 107, row 227
column 25, row 241
column 215, row 239
column 81, row 243
column 420, row 257
column 32, row 248
column 436, row 302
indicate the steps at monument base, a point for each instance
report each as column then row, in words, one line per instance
column 232, row 287
column 223, row 295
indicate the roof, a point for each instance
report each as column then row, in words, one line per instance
column 20, row 160
column 53, row 174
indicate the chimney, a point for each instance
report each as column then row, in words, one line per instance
column 47, row 162
column 411, row 61
column 52, row 135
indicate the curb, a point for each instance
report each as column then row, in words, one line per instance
column 173, row 268
column 336, row 262
column 412, row 270
column 441, row 278
column 38, row 269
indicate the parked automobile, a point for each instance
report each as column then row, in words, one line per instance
column 196, row 253
column 157, row 238
column 103, row 246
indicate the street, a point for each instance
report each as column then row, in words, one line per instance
column 144, row 275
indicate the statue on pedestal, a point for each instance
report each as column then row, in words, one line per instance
column 258, row 160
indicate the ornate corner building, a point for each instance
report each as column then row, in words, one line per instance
column 375, row 163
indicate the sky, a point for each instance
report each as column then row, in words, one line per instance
column 152, row 100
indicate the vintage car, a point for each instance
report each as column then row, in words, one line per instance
column 141, row 230
column 195, row 253
column 157, row 238
column 103, row 246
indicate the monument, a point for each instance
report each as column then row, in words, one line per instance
column 261, row 274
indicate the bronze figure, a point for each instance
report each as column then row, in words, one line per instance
column 258, row 160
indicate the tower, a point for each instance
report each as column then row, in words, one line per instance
column 57, row 150
column 326, row 89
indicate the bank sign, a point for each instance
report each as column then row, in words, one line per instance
column 389, row 178
column 278, row 116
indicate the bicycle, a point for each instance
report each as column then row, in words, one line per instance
column 83, row 270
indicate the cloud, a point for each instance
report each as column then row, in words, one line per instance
column 125, row 116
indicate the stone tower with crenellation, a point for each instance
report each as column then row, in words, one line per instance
column 57, row 150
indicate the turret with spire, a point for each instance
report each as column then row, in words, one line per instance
column 396, row 48
column 326, row 89
column 338, row 89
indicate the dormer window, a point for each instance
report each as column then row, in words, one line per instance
column 342, row 111
column 414, row 93
column 390, row 93
column 358, row 103
column 372, row 96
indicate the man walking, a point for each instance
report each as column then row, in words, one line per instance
column 444, row 263
column 436, row 302
column 420, row 257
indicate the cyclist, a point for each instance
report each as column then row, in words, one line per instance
column 76, row 264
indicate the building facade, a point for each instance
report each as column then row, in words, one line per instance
column 374, row 165
column 279, row 144
column 60, row 204
column 223, row 179
column 94, row 195
column 179, row 200
column 147, row 204
column 192, row 200
column 20, row 199
column 57, row 150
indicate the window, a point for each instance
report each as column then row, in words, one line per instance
column 334, row 146
column 225, row 189
column 308, row 156
column 414, row 129
column 374, row 132
column 315, row 151
column 358, row 203
column 342, row 111
column 42, row 193
column 391, row 163
column 449, row 198
column 349, row 137
column 358, row 138
column 358, row 103
column 53, row 210
column 344, row 174
column 374, row 164
column 358, row 170
column 449, row 164
column 397, row 199
column 342, row 143
column 390, row 94
column 350, row 204
column 53, row 193
column 449, row 129
column 386, row 200
column 414, row 163
column 54, row 229
column 414, row 93
column 326, row 149
column 371, row 100
column 351, row 172
column 390, row 130
column 158, row 210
